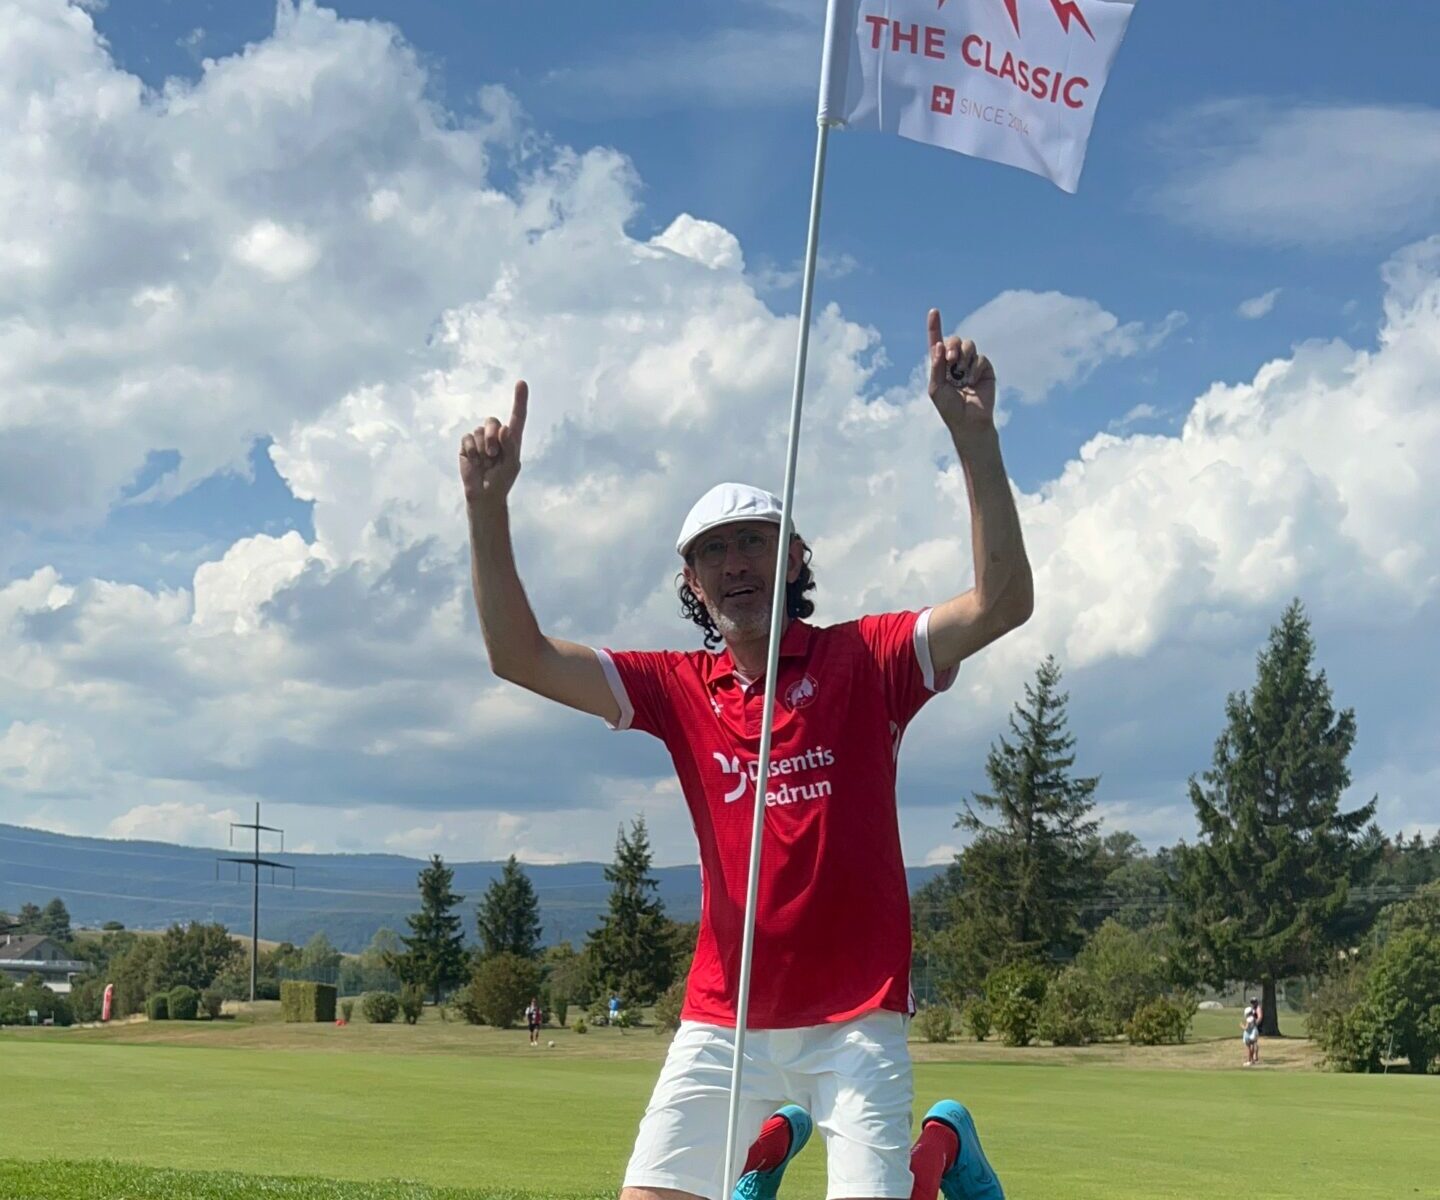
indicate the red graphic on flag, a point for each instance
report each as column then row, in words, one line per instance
column 1065, row 10
column 942, row 99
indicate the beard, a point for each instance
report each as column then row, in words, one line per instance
column 745, row 623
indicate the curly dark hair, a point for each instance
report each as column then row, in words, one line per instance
column 797, row 604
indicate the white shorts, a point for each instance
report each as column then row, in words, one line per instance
column 854, row 1079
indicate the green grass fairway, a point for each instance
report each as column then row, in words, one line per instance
column 560, row 1123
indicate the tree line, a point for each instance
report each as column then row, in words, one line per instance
column 1058, row 932
column 1041, row 927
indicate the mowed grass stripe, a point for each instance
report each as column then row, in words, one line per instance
column 60, row 1180
column 563, row 1127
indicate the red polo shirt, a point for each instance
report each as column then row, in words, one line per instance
column 832, row 934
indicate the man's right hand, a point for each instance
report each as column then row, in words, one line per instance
column 490, row 457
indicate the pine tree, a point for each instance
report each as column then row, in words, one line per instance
column 631, row 951
column 508, row 916
column 1023, row 881
column 1263, row 892
column 55, row 921
column 434, row 957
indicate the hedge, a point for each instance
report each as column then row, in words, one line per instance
column 301, row 1000
column 157, row 1007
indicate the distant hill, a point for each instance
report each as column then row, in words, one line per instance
column 149, row 885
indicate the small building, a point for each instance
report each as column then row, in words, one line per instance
column 26, row 954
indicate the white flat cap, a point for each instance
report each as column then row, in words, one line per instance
column 725, row 504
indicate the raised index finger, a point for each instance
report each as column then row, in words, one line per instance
column 935, row 329
column 518, row 411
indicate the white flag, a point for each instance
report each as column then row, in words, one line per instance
column 1014, row 81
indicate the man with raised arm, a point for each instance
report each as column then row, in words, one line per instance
column 830, row 997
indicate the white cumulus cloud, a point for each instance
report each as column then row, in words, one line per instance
column 344, row 674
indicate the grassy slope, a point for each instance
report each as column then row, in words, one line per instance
column 478, row 1109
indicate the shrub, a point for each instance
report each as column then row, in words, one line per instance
column 626, row 1019
column 580, row 1026
column 977, row 1018
column 1160, row 1021
column 212, row 1003
column 412, row 1003
column 1128, row 967
column 1353, row 1039
column 667, row 1007
column 1402, row 987
column 184, row 1003
column 380, row 1008
column 301, row 1000
column 157, row 1007
column 1015, row 993
column 1071, row 1013
column 87, row 999
column 501, row 987
column 935, row 1023
column 561, row 1008
column 347, row 1010
column 16, row 1004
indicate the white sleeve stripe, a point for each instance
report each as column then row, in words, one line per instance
column 927, row 664
column 617, row 686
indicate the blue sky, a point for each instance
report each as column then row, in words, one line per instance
column 1260, row 190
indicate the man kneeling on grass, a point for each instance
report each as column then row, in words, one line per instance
column 830, row 998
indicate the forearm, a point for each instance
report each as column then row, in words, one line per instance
column 507, row 622
column 1002, row 570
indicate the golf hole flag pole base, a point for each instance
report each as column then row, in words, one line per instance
column 1012, row 81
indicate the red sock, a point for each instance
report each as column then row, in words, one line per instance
column 931, row 1156
column 769, row 1150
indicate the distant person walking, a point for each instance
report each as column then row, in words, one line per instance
column 534, row 1018
column 614, row 1010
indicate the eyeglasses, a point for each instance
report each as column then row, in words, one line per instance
column 752, row 544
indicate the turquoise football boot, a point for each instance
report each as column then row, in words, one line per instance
column 763, row 1185
column 970, row 1177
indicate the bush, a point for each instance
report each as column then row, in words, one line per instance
column 560, row 1009
column 626, row 1019
column 16, row 1004
column 184, row 1003
column 412, row 1003
column 580, row 1026
column 1403, row 987
column 157, row 1007
column 87, row 999
column 347, row 1010
column 1015, row 993
column 935, row 1023
column 301, row 1000
column 668, row 1006
column 212, row 1003
column 1128, row 967
column 1160, row 1021
column 501, row 987
column 1353, row 1039
column 977, row 1018
column 1072, row 1012
column 380, row 1008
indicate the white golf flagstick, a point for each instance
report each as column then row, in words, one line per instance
column 890, row 86
column 772, row 665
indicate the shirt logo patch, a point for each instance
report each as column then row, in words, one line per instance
column 801, row 692
column 731, row 766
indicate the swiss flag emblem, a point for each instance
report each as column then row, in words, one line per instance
column 942, row 100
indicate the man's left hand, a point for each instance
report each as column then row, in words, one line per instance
column 962, row 382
